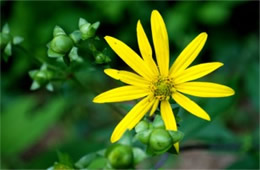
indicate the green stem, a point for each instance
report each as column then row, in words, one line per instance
column 77, row 82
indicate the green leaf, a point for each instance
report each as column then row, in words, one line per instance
column 23, row 122
column 58, row 31
column 6, row 29
column 8, row 49
column 17, row 40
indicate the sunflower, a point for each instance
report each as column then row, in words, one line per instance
column 155, row 83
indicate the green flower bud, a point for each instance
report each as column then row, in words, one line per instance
column 176, row 135
column 87, row 30
column 120, row 156
column 158, row 122
column 141, row 126
column 57, row 31
column 144, row 136
column 41, row 76
column 5, row 39
column 100, row 58
column 61, row 44
column 75, row 36
column 160, row 140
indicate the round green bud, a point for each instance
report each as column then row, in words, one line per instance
column 141, row 126
column 99, row 58
column 42, row 76
column 85, row 28
column 87, row 31
column 61, row 44
column 160, row 140
column 5, row 39
column 120, row 156
column 144, row 136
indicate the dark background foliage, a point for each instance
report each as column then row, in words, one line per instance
column 35, row 124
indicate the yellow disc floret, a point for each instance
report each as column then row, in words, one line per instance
column 162, row 88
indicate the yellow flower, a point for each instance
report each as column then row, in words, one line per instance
column 157, row 83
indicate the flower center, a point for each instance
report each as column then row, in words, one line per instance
column 162, row 88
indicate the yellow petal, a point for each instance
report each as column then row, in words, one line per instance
column 127, row 77
column 196, row 72
column 129, row 57
column 142, row 113
column 169, row 119
column 155, row 105
column 160, row 42
column 145, row 48
column 131, row 119
column 121, row 94
column 189, row 54
column 176, row 145
column 168, row 116
column 205, row 89
column 190, row 106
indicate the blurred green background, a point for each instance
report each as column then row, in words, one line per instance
column 36, row 124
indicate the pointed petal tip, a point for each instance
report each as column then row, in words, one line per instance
column 138, row 26
column 232, row 92
column 229, row 92
column 96, row 100
column 220, row 64
column 112, row 73
column 204, row 34
column 155, row 11
column 107, row 38
column 177, row 147
column 113, row 140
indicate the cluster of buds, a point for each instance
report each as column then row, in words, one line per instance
column 63, row 46
column 42, row 77
column 87, row 30
column 155, row 136
column 7, row 40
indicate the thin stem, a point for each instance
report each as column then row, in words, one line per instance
column 37, row 60
column 76, row 81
